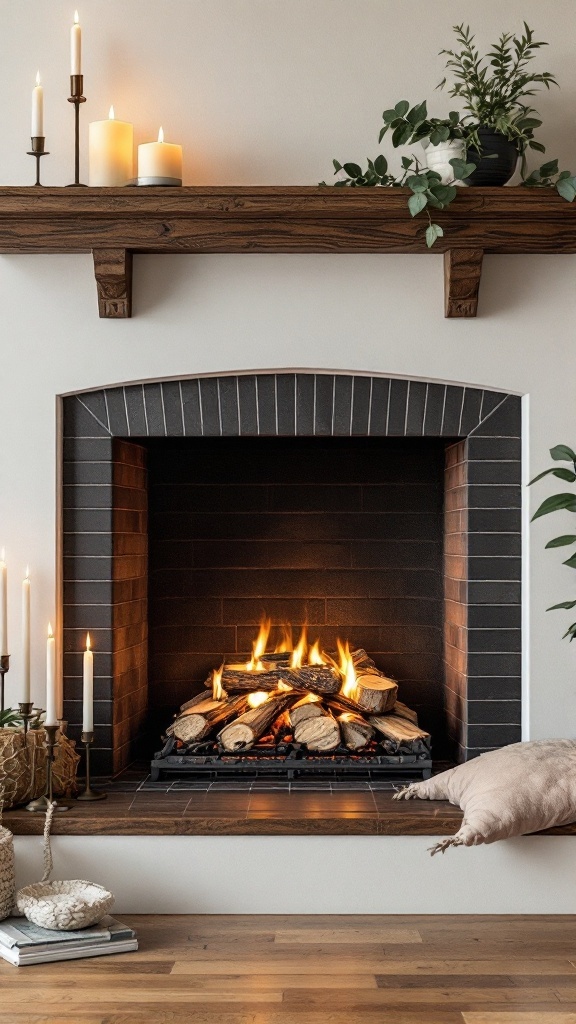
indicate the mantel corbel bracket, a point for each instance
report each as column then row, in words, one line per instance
column 113, row 273
column 462, row 272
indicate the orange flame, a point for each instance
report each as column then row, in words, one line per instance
column 284, row 686
column 299, row 652
column 257, row 698
column 347, row 670
column 315, row 655
column 259, row 647
column 286, row 644
column 217, row 689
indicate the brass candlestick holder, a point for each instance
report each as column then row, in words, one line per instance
column 4, row 666
column 38, row 152
column 88, row 793
column 25, row 709
column 76, row 97
column 43, row 802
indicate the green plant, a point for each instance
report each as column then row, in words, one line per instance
column 9, row 717
column 548, row 176
column 412, row 124
column 556, row 502
column 493, row 86
column 425, row 185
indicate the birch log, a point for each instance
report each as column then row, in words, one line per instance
column 400, row 735
column 320, row 733
column 356, row 732
column 242, row 733
column 200, row 720
column 305, row 708
column 375, row 694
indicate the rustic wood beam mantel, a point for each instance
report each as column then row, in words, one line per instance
column 115, row 223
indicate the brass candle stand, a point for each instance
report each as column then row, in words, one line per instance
column 25, row 709
column 4, row 666
column 42, row 803
column 76, row 97
column 38, row 152
column 87, row 738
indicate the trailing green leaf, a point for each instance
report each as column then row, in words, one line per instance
column 433, row 231
column 562, row 453
column 560, row 542
column 554, row 503
column 562, row 474
column 563, row 604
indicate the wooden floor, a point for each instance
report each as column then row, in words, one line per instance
column 312, row 970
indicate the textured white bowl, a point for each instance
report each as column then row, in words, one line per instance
column 64, row 906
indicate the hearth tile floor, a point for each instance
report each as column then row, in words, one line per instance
column 136, row 806
column 314, row 969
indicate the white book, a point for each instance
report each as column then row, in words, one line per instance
column 52, row 955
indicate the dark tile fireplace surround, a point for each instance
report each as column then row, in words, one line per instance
column 380, row 510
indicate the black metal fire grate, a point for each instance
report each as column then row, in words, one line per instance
column 288, row 761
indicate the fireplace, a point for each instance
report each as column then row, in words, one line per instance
column 381, row 512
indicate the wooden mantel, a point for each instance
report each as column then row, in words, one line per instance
column 115, row 223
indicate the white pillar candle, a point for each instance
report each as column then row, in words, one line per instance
column 88, row 689
column 51, row 710
column 37, row 109
column 3, row 604
column 26, row 637
column 76, row 47
column 110, row 151
column 160, row 159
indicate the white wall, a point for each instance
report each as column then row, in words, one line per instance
column 267, row 92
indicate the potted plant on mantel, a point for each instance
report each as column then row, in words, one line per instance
column 481, row 146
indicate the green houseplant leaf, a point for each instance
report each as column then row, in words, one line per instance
column 559, row 542
column 554, row 503
column 562, row 453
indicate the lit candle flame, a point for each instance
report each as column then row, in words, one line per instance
column 88, row 647
column 37, row 78
column 50, row 633
column 3, row 555
column 27, row 572
column 76, row 18
column 160, row 135
column 111, row 114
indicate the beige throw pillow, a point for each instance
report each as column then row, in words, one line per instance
column 522, row 788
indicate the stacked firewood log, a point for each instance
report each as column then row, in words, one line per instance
column 305, row 706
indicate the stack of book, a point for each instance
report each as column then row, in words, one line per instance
column 22, row 942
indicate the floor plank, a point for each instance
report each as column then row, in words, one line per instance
column 283, row 969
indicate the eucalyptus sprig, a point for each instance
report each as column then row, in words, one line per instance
column 426, row 185
column 412, row 124
column 565, row 500
column 548, row 176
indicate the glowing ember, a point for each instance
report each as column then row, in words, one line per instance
column 259, row 647
column 284, row 686
column 257, row 698
column 217, row 690
column 347, row 670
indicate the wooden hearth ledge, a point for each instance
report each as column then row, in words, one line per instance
column 262, row 812
column 115, row 223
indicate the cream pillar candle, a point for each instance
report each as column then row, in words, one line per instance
column 26, row 637
column 110, row 151
column 88, row 689
column 3, row 604
column 37, row 128
column 51, row 710
column 76, row 47
column 160, row 160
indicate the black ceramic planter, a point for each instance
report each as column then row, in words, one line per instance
column 492, row 170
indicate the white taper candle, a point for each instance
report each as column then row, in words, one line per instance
column 51, row 712
column 88, row 689
column 26, row 637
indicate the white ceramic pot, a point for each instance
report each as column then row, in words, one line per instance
column 438, row 159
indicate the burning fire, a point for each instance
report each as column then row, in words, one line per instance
column 217, row 688
column 259, row 647
column 300, row 655
column 257, row 698
column 347, row 670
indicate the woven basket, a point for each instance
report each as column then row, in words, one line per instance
column 63, row 905
column 7, row 873
column 23, row 766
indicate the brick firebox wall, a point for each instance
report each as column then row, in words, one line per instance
column 344, row 533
